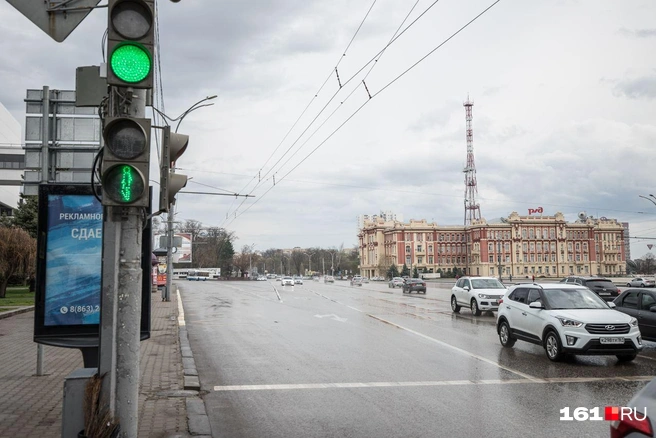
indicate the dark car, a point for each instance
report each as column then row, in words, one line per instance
column 603, row 287
column 414, row 285
column 641, row 304
column 641, row 421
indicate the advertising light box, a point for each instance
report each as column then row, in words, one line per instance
column 69, row 267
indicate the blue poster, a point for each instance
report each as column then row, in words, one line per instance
column 73, row 260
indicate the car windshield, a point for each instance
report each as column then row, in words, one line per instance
column 579, row 298
column 486, row 283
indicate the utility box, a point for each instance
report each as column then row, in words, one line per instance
column 90, row 88
column 73, row 404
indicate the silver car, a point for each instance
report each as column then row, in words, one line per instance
column 287, row 281
column 640, row 282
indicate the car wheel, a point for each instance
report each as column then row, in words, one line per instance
column 628, row 285
column 474, row 307
column 454, row 304
column 504, row 335
column 552, row 346
column 626, row 357
column 642, row 285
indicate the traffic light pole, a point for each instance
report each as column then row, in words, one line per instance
column 169, row 255
column 121, row 306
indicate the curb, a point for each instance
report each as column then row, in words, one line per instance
column 197, row 420
column 8, row 313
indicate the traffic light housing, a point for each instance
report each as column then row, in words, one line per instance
column 173, row 146
column 130, row 37
column 125, row 163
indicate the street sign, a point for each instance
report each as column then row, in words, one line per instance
column 57, row 19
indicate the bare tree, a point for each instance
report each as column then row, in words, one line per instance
column 17, row 255
column 297, row 260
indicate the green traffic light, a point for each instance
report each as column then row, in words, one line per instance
column 130, row 62
column 123, row 183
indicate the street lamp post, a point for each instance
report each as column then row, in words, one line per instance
column 309, row 262
column 250, row 261
column 169, row 219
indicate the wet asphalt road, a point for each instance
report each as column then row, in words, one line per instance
column 319, row 360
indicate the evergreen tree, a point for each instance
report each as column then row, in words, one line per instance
column 415, row 273
column 226, row 254
column 392, row 272
column 26, row 215
column 405, row 271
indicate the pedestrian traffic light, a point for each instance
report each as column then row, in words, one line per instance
column 130, row 38
column 173, row 146
column 125, row 163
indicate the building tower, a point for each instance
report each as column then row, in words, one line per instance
column 472, row 209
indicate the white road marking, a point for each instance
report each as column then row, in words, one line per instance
column 181, row 320
column 331, row 316
column 278, row 387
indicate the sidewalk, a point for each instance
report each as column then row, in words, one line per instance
column 31, row 406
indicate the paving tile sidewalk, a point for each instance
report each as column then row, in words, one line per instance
column 31, row 406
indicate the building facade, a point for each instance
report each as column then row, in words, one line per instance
column 12, row 160
column 521, row 246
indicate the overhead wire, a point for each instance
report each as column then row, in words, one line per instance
column 372, row 60
column 385, row 87
column 298, row 119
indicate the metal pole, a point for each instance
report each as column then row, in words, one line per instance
column 121, row 307
column 45, row 136
column 39, row 359
column 169, row 254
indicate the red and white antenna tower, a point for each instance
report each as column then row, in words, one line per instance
column 472, row 209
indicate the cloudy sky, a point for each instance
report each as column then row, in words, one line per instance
column 564, row 110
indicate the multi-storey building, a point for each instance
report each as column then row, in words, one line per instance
column 540, row 246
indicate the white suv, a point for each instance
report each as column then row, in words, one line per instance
column 477, row 293
column 566, row 319
column 287, row 281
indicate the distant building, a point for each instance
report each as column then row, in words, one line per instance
column 12, row 159
column 521, row 246
column 627, row 242
column 384, row 215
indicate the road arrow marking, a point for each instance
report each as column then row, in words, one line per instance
column 331, row 316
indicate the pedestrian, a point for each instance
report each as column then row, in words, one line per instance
column 534, row 278
column 510, row 278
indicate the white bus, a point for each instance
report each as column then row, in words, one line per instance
column 198, row 275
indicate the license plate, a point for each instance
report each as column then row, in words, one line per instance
column 604, row 293
column 611, row 340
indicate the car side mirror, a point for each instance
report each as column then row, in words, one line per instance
column 653, row 309
column 466, row 288
column 536, row 305
column 612, row 305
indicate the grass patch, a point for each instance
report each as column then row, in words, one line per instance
column 17, row 296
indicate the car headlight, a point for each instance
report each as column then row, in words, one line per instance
column 485, row 297
column 566, row 322
column 633, row 322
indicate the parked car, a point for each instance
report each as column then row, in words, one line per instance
column 287, row 281
column 603, row 287
column 566, row 319
column 328, row 279
column 640, row 304
column 414, row 285
column 642, row 422
column 261, row 278
column 356, row 280
column 640, row 282
column 477, row 293
column 396, row 282
column 298, row 280
column 365, row 280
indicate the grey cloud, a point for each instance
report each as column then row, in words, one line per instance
column 637, row 88
column 638, row 33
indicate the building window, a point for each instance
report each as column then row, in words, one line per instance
column 490, row 247
column 531, row 234
column 585, row 246
column 408, row 260
column 578, row 246
column 407, row 249
column 430, row 260
column 430, row 249
column 525, row 247
column 523, row 233
column 418, row 248
column 420, row 260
